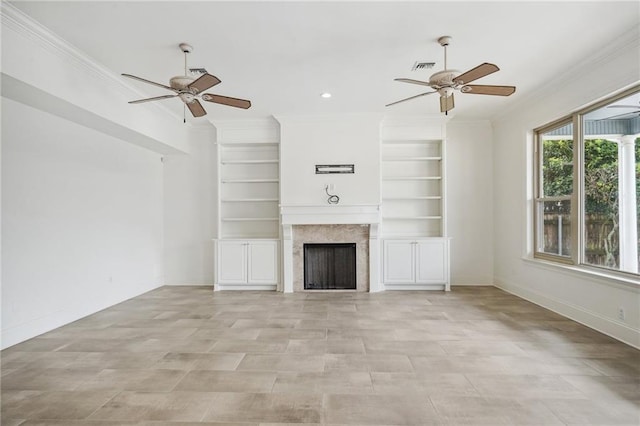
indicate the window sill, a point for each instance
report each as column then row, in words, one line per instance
column 594, row 274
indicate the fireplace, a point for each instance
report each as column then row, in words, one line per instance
column 330, row 266
column 357, row 225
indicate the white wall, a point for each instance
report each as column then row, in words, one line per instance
column 345, row 139
column 42, row 70
column 470, row 201
column 189, row 211
column 81, row 221
column 591, row 300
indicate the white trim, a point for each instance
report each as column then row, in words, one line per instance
column 23, row 24
column 37, row 326
column 599, row 276
column 245, row 287
column 612, row 328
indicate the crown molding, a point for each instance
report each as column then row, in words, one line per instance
column 628, row 41
column 15, row 20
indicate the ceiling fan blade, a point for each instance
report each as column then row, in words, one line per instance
column 150, row 82
column 483, row 89
column 409, row 80
column 412, row 97
column 226, row 100
column 618, row 116
column 196, row 108
column 622, row 106
column 157, row 98
column 446, row 103
column 204, row 82
column 476, row 73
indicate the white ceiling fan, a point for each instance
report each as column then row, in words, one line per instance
column 447, row 81
column 189, row 89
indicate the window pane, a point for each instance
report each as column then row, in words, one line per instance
column 557, row 162
column 611, row 184
column 554, row 231
column 601, row 203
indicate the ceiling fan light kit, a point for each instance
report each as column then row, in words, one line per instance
column 447, row 81
column 189, row 89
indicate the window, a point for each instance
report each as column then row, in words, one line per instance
column 587, row 186
column 555, row 190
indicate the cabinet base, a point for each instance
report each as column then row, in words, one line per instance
column 263, row 287
column 422, row 286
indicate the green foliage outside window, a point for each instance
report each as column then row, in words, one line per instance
column 601, row 192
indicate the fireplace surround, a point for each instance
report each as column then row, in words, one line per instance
column 331, row 224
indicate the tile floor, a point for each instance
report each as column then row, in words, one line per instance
column 184, row 355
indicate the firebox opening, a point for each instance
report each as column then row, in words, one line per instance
column 330, row 266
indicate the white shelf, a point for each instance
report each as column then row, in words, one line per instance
column 412, row 187
column 247, row 144
column 249, row 161
column 249, row 200
column 412, row 159
column 390, row 178
column 249, row 180
column 412, row 217
column 248, row 188
column 429, row 197
column 249, row 219
column 409, row 141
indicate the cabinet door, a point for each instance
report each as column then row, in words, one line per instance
column 263, row 262
column 232, row 262
column 398, row 262
column 431, row 261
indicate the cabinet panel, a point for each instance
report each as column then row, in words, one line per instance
column 398, row 262
column 431, row 261
column 232, row 262
column 263, row 266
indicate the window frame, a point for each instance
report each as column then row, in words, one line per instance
column 539, row 195
column 577, row 257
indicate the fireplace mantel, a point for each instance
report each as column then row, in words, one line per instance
column 366, row 215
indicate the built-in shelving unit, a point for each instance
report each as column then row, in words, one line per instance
column 412, row 188
column 249, row 190
column 247, row 243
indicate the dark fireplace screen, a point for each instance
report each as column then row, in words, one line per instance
column 330, row 266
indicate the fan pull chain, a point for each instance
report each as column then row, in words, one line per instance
column 184, row 113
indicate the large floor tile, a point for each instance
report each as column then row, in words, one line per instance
column 189, row 356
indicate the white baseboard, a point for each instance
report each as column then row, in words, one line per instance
column 183, row 284
column 470, row 284
column 440, row 287
column 265, row 287
column 37, row 326
column 608, row 326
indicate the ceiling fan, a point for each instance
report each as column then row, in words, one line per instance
column 447, row 81
column 189, row 89
column 635, row 110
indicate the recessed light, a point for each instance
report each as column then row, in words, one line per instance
column 326, row 95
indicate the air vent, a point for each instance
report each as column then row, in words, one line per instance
column 422, row 66
column 197, row 71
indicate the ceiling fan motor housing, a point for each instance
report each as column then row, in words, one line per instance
column 180, row 82
column 443, row 78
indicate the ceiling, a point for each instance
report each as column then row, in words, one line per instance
column 283, row 55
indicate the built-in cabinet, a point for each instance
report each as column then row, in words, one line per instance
column 415, row 251
column 247, row 264
column 248, row 226
column 416, row 264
